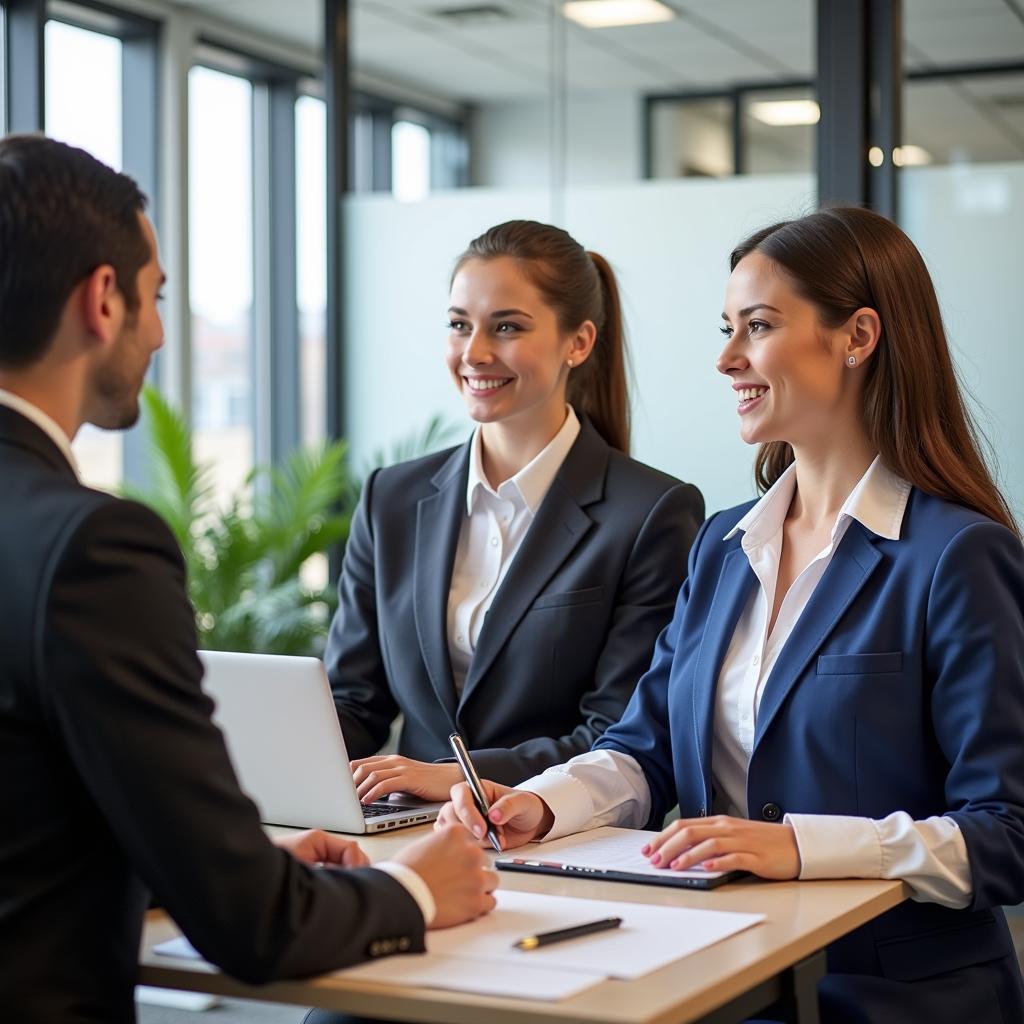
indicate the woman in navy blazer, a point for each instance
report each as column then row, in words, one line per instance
column 510, row 588
column 840, row 692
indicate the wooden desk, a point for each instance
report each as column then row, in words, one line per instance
column 727, row 982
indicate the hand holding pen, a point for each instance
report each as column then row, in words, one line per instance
column 476, row 787
column 520, row 815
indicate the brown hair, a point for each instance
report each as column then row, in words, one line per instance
column 842, row 259
column 578, row 285
column 62, row 215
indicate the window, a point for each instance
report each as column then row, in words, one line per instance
column 3, row 70
column 405, row 150
column 410, row 161
column 311, row 263
column 83, row 108
column 747, row 130
column 220, row 222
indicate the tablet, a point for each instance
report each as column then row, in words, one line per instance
column 609, row 854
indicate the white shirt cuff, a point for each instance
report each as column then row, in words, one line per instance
column 567, row 798
column 836, row 846
column 414, row 885
column 930, row 855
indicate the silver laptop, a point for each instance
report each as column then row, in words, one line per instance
column 282, row 732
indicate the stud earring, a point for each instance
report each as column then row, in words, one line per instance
column 852, row 360
column 569, row 363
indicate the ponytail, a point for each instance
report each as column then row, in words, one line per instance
column 578, row 286
column 599, row 387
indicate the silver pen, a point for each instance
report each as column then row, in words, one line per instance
column 475, row 785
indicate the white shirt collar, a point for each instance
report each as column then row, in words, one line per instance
column 45, row 423
column 532, row 482
column 878, row 502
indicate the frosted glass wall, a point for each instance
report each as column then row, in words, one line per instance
column 669, row 242
column 968, row 221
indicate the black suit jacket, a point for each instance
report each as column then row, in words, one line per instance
column 570, row 632
column 113, row 780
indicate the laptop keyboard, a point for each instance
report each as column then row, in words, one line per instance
column 375, row 810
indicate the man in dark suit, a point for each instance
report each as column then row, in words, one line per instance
column 116, row 784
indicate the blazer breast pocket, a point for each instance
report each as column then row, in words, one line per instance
column 591, row 595
column 859, row 664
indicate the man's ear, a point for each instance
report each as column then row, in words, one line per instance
column 102, row 304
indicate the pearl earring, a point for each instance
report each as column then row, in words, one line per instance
column 569, row 363
column 852, row 360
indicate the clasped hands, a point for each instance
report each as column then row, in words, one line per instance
column 718, row 843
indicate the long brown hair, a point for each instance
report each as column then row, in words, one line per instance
column 842, row 259
column 578, row 285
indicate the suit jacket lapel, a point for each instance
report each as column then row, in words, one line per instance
column 735, row 582
column 852, row 565
column 17, row 430
column 438, row 518
column 558, row 527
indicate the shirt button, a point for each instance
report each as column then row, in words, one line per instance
column 484, row 584
column 757, row 659
column 460, row 639
column 494, row 542
column 771, row 812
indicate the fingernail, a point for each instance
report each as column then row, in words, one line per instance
column 645, row 849
column 495, row 816
column 677, row 863
column 478, row 831
column 708, row 865
column 656, row 858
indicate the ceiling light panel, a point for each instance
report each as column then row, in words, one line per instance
column 782, row 113
column 616, row 13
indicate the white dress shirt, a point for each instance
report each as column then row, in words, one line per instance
column 406, row 876
column 44, row 422
column 490, row 535
column 608, row 788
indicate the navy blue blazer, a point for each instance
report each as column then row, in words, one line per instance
column 901, row 687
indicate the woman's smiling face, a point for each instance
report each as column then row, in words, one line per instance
column 787, row 369
column 506, row 352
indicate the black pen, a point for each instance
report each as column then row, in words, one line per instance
column 475, row 785
column 546, row 938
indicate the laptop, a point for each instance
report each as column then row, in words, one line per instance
column 278, row 718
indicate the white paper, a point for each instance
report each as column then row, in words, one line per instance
column 648, row 938
column 607, row 848
column 179, row 947
column 464, row 974
column 455, row 973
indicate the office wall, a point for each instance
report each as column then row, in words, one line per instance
column 669, row 242
column 510, row 144
column 967, row 221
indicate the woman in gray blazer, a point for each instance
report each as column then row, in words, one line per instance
column 512, row 588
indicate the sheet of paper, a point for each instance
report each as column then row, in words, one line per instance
column 481, row 977
column 179, row 947
column 455, row 973
column 610, row 848
column 648, row 938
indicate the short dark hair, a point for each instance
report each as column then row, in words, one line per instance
column 62, row 215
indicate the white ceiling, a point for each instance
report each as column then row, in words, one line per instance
column 711, row 44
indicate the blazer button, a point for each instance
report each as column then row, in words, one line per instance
column 404, row 944
column 771, row 812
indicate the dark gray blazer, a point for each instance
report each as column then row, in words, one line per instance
column 114, row 782
column 570, row 632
